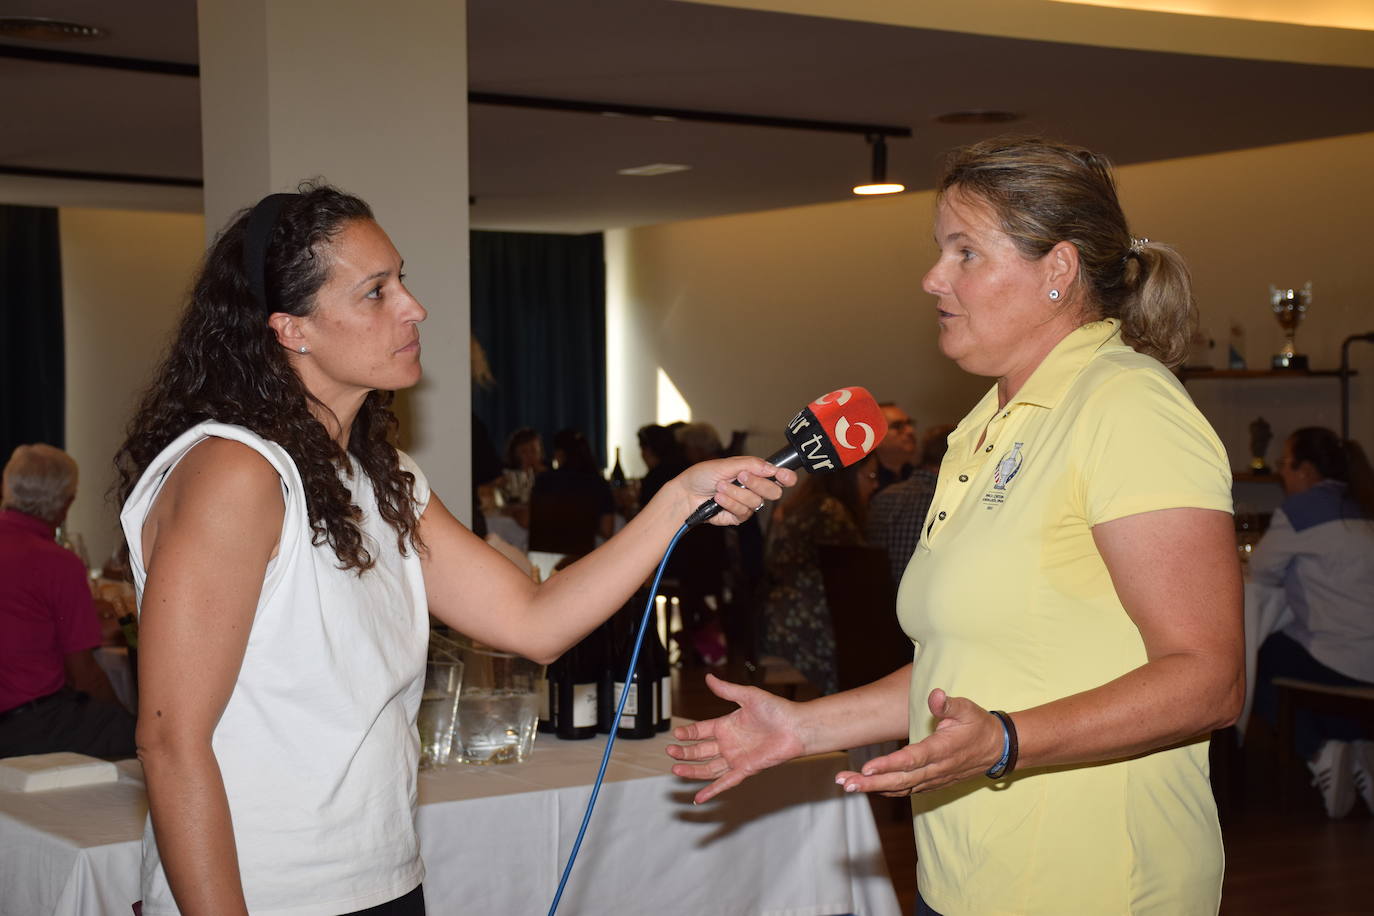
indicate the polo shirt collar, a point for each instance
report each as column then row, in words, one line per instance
column 1057, row 371
column 1051, row 378
column 29, row 524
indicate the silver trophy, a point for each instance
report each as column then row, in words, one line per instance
column 1289, row 307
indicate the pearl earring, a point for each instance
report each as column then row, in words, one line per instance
column 1054, row 295
column 303, row 350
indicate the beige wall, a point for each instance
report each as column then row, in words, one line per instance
column 753, row 315
column 125, row 276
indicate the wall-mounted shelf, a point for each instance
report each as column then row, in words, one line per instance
column 1227, row 374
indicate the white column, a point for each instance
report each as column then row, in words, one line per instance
column 372, row 97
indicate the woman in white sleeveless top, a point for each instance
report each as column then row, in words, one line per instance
column 287, row 555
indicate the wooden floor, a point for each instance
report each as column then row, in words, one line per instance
column 1278, row 863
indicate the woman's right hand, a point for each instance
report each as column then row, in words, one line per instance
column 765, row 731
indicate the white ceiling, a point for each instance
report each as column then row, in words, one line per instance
column 550, row 171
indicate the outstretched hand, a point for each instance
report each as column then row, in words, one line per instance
column 762, row 733
column 967, row 742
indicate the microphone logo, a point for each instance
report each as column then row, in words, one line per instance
column 841, row 397
column 842, row 428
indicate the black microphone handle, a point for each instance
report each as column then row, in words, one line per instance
column 786, row 457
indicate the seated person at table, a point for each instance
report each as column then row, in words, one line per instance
column 1320, row 550
column 572, row 505
column 53, row 694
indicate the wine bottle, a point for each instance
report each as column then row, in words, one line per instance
column 617, row 472
column 574, row 689
column 639, row 718
column 605, row 693
column 544, row 723
column 665, row 675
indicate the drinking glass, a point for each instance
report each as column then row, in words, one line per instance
column 498, row 708
column 439, row 709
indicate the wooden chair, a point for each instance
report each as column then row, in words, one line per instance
column 1354, row 702
column 869, row 643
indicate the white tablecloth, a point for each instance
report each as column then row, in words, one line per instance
column 494, row 839
column 1266, row 612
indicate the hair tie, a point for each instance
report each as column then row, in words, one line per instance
column 1137, row 244
column 261, row 222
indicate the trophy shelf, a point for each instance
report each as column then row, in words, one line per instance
column 1188, row 374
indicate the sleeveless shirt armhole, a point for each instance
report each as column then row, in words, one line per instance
column 146, row 492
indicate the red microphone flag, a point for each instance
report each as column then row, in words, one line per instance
column 851, row 424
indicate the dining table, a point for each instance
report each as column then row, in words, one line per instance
column 495, row 839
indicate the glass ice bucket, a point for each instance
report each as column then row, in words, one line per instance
column 498, row 708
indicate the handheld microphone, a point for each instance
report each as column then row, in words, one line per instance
column 833, row 431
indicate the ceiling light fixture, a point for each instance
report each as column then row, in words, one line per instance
column 38, row 28
column 876, row 134
column 879, row 183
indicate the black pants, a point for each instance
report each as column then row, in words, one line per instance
column 67, row 721
column 412, row 904
column 1283, row 656
column 923, row 908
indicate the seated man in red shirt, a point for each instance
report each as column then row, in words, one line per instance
column 53, row 694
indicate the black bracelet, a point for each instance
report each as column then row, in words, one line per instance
column 1004, row 766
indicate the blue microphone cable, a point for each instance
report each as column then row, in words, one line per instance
column 615, row 722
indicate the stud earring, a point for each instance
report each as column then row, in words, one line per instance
column 1054, row 295
column 304, row 350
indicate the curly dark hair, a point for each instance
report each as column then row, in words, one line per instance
column 225, row 364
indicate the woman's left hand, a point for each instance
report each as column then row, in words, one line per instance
column 967, row 741
column 716, row 480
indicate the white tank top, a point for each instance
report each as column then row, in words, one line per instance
column 317, row 744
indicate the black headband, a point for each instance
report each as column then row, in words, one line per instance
column 261, row 222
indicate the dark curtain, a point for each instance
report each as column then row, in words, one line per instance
column 32, row 369
column 539, row 311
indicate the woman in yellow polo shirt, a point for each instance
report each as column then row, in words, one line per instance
column 1074, row 602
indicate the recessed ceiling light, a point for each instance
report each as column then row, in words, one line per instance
column 657, row 168
column 978, row 116
column 37, row 28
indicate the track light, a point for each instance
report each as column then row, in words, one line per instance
column 876, row 134
column 879, row 183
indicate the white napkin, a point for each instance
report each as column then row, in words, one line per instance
column 39, row 772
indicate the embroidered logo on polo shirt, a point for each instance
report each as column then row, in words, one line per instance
column 1002, row 476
